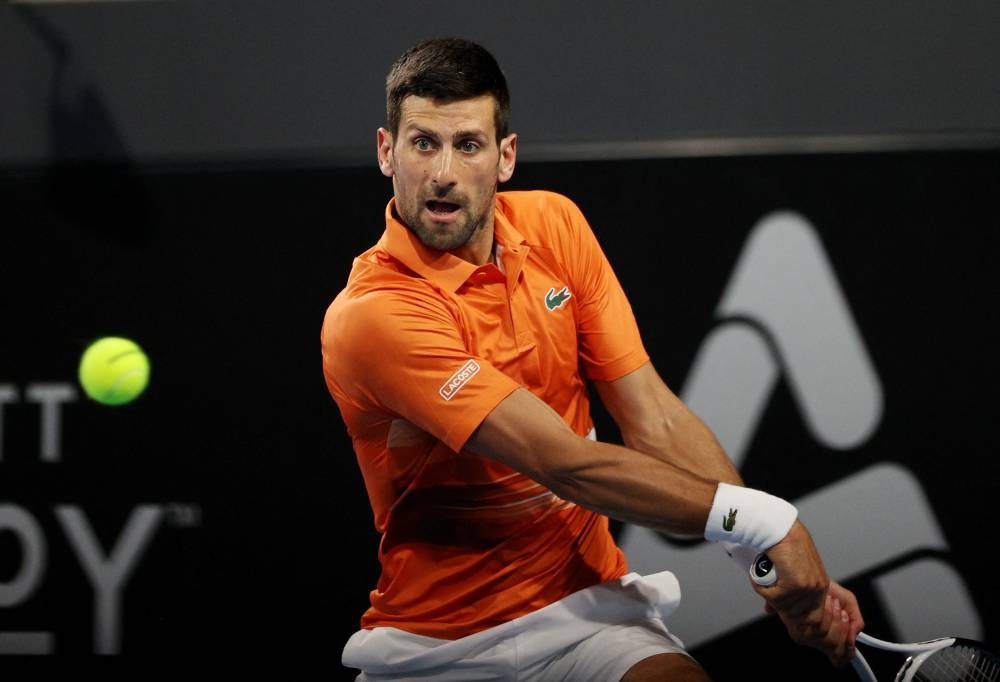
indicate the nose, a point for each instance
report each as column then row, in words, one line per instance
column 444, row 169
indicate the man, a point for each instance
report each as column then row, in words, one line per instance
column 459, row 354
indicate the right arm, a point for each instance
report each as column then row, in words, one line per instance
column 526, row 434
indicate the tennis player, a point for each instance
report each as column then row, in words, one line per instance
column 459, row 354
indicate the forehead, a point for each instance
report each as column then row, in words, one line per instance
column 467, row 115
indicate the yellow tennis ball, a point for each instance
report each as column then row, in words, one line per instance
column 114, row 370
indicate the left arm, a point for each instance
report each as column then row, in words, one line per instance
column 816, row 611
column 653, row 420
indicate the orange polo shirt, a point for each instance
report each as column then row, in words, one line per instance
column 418, row 349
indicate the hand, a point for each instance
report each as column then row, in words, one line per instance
column 816, row 612
column 843, row 604
column 838, row 631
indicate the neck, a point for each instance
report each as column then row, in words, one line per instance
column 479, row 249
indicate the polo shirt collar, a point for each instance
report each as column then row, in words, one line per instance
column 440, row 267
column 505, row 233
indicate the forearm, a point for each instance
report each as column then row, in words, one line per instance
column 625, row 484
column 634, row 487
column 622, row 483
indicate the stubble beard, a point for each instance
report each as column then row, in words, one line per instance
column 441, row 236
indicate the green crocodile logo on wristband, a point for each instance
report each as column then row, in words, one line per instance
column 729, row 522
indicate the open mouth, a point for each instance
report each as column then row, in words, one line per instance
column 441, row 207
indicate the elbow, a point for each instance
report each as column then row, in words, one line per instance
column 650, row 435
column 573, row 474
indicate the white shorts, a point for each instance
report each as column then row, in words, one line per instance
column 597, row 634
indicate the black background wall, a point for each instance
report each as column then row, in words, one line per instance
column 301, row 81
column 263, row 539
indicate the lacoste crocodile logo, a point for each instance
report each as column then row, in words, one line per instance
column 729, row 522
column 554, row 300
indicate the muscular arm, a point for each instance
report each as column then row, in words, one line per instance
column 665, row 478
column 653, row 420
column 526, row 434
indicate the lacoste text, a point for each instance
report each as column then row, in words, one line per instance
column 459, row 379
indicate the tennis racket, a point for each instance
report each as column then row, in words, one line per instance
column 947, row 659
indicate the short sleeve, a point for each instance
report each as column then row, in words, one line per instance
column 399, row 353
column 609, row 338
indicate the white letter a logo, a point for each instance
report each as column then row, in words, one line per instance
column 783, row 313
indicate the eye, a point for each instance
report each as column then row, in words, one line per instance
column 469, row 146
column 422, row 144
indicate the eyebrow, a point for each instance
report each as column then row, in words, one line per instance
column 459, row 135
column 462, row 134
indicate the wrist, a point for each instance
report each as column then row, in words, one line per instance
column 748, row 517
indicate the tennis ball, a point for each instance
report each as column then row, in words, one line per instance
column 114, row 370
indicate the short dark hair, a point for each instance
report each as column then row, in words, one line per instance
column 447, row 70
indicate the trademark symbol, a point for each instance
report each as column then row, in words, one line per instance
column 183, row 515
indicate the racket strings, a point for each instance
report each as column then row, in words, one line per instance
column 959, row 663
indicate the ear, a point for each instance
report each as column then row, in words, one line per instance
column 384, row 139
column 508, row 157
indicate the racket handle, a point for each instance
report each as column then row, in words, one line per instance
column 758, row 564
column 763, row 571
column 861, row 667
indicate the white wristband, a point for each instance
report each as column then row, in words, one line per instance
column 750, row 517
